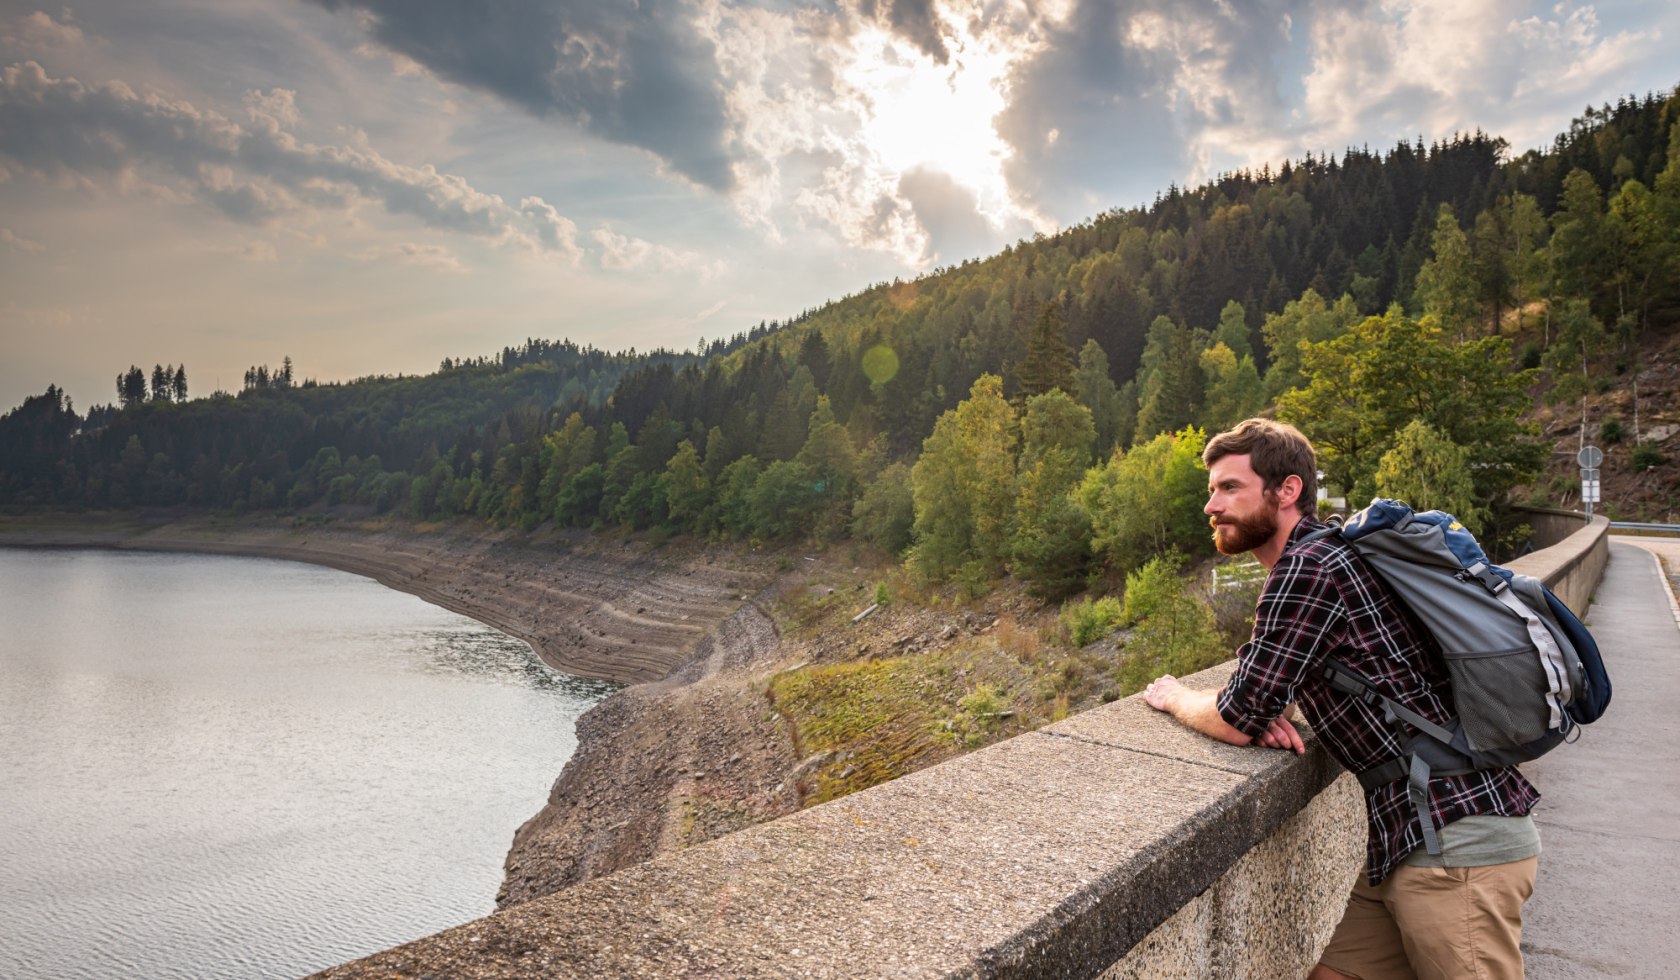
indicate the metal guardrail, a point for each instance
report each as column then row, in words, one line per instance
column 1233, row 575
column 1645, row 528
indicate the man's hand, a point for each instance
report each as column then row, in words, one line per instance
column 1280, row 734
column 1200, row 711
column 1160, row 692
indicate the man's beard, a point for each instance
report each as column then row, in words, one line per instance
column 1243, row 534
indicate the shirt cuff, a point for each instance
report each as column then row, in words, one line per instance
column 1249, row 724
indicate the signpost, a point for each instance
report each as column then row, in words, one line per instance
column 1589, row 457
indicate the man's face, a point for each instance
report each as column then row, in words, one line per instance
column 1240, row 511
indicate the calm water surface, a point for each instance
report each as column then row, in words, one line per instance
column 236, row 767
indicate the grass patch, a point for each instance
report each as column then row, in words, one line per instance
column 884, row 718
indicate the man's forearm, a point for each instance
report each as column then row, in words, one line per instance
column 1199, row 710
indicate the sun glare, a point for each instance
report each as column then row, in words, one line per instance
column 926, row 115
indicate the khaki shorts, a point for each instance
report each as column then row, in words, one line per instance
column 1431, row 923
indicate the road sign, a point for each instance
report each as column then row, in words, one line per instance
column 1589, row 492
column 1589, row 457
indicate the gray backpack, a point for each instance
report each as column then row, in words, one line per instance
column 1524, row 669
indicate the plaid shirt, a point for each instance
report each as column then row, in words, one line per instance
column 1322, row 599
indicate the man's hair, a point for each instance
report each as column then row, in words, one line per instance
column 1275, row 450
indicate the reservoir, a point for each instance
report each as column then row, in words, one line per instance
column 240, row 767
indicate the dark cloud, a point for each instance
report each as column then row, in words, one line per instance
column 635, row 72
column 949, row 213
column 253, row 172
column 1102, row 110
column 916, row 21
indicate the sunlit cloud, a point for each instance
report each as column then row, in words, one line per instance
column 1434, row 67
column 39, row 32
column 837, row 117
column 624, row 253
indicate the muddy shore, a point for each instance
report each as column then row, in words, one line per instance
column 685, row 752
column 610, row 609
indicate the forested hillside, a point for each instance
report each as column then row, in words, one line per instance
column 1037, row 412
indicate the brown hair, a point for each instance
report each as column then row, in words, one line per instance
column 1275, row 450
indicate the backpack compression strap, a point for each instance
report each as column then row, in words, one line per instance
column 1414, row 764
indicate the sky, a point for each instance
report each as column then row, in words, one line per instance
column 370, row 186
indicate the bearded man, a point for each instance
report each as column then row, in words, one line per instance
column 1412, row 914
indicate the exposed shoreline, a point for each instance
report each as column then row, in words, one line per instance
column 607, row 609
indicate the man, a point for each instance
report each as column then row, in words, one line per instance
column 1412, row 914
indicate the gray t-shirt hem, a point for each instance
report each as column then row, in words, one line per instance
column 1480, row 840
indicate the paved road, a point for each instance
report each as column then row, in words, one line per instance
column 1607, row 902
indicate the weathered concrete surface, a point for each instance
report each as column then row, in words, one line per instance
column 1605, row 901
column 1250, row 925
column 1050, row 854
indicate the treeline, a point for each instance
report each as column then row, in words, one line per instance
column 1032, row 411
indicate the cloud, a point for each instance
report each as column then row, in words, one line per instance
column 624, row 253
column 949, row 214
column 916, row 21
column 257, row 172
column 38, row 31
column 411, row 253
column 634, row 72
column 1432, row 67
column 1121, row 94
column 19, row 243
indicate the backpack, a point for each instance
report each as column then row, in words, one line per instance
column 1524, row 670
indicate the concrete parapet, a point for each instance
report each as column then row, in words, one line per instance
column 1116, row 844
column 1572, row 559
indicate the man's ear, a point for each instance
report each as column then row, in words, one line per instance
column 1289, row 492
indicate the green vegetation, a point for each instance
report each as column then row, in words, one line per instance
column 1174, row 631
column 1089, row 620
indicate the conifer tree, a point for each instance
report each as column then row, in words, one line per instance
column 1049, row 360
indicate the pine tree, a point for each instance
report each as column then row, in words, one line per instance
column 1049, row 360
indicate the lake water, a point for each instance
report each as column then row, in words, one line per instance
column 237, row 767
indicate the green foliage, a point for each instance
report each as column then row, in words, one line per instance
column 1173, row 629
column 1048, row 365
column 1089, row 620
column 1646, row 456
column 964, row 486
column 511, row 439
column 886, row 512
column 1234, row 389
column 1170, row 381
column 1427, row 470
column 1097, row 392
column 784, row 500
column 1051, row 548
column 1581, row 341
column 1148, row 501
column 1308, row 320
column 1446, row 284
column 1610, row 430
column 688, row 494
column 1363, row 388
